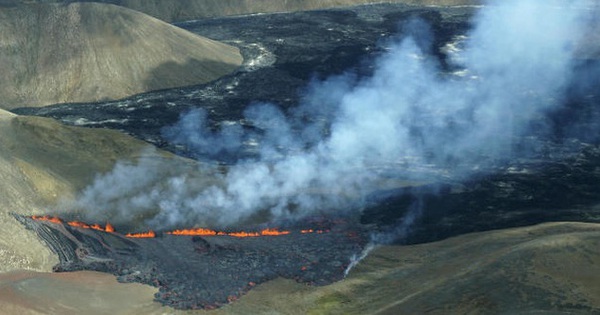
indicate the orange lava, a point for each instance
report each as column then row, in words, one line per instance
column 79, row 224
column 149, row 234
column 209, row 232
column 194, row 232
column 47, row 218
column 189, row 232
column 243, row 234
column 273, row 232
column 108, row 228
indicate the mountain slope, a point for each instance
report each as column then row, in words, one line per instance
column 80, row 52
column 43, row 162
column 183, row 10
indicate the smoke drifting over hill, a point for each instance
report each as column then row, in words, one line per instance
column 326, row 155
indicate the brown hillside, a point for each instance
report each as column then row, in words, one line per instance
column 52, row 53
column 182, row 10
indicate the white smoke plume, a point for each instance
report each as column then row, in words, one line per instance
column 399, row 232
column 193, row 131
column 327, row 154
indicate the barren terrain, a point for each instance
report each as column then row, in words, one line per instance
column 184, row 10
column 54, row 53
column 549, row 268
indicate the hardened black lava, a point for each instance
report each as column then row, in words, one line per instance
column 282, row 53
column 194, row 272
column 522, row 193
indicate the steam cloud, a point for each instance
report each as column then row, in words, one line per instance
column 332, row 151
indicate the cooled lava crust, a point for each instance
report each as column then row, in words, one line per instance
column 195, row 272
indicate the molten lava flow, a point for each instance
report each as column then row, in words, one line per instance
column 273, row 232
column 108, row 228
column 190, row 232
column 244, row 234
column 79, row 224
column 209, row 232
column 47, row 218
column 194, row 232
column 149, row 234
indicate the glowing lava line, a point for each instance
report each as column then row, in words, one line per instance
column 187, row 232
column 47, row 218
column 194, row 232
column 107, row 228
column 208, row 232
column 149, row 234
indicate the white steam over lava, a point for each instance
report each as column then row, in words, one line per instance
column 518, row 59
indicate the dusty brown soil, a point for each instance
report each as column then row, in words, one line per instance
column 74, row 293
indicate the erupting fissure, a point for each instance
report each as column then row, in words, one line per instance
column 204, row 268
column 181, row 232
column 149, row 234
column 208, row 232
column 107, row 228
